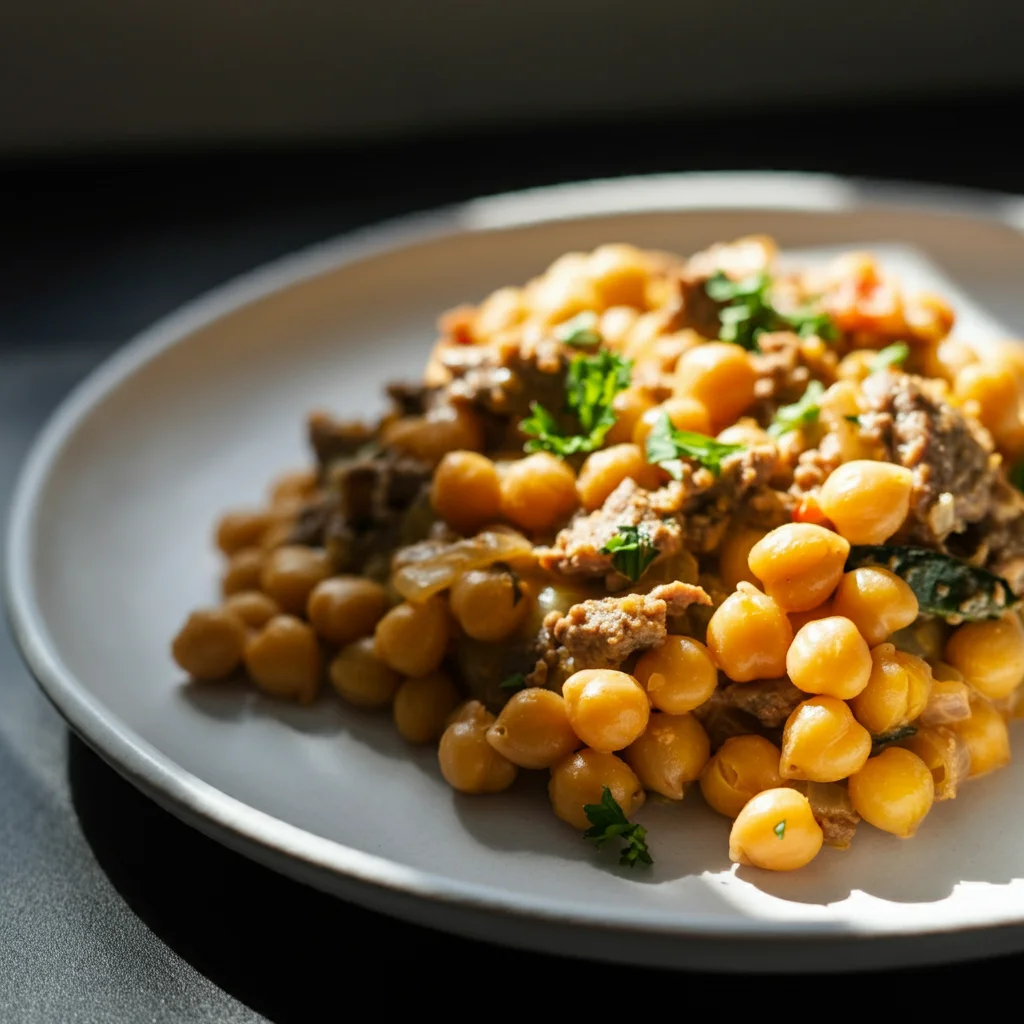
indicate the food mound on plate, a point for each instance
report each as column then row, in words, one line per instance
column 651, row 523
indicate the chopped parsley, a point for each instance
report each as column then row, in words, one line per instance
column 591, row 384
column 780, row 829
column 514, row 683
column 580, row 332
column 892, row 355
column 666, row 446
column 608, row 822
column 632, row 551
column 748, row 312
column 800, row 414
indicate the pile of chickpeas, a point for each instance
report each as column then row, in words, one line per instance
column 872, row 670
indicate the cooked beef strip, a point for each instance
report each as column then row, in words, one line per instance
column 770, row 701
column 333, row 439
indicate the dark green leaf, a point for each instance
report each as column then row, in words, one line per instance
column 1017, row 476
column 514, row 683
column 632, row 551
column 800, row 414
column 591, row 384
column 852, row 419
column 580, row 332
column 886, row 739
column 608, row 822
column 943, row 585
column 780, row 829
column 666, row 446
column 892, row 355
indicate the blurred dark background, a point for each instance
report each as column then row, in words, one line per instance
column 150, row 151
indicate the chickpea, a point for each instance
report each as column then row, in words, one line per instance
column 606, row 709
column 580, row 779
column 468, row 762
column 413, row 638
column 829, row 656
column 733, row 567
column 298, row 485
column 243, row 571
column 990, row 654
column 564, row 290
column 422, row 705
column 284, row 659
column 615, row 324
column 719, row 375
column 684, row 413
column 344, row 608
column 242, row 529
column 992, row 385
column 776, row 831
column 671, row 752
column 429, row 438
column 800, row 619
column 866, row 500
column 877, row 601
column 743, row 767
column 291, row 572
column 799, row 564
column 489, row 604
column 896, row 693
column 822, row 742
column 604, row 470
column 254, row 609
column 277, row 536
column 501, row 310
column 986, row 736
column 466, row 491
column 628, row 405
column 209, row 646
column 748, row 635
column 619, row 275
column 538, row 493
column 893, row 791
column 361, row 678
column 678, row 676
column 745, row 432
column 533, row 729
column 948, row 358
column 856, row 365
column 946, row 756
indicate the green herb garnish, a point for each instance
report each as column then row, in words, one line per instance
column 780, row 829
column 853, row 418
column 748, row 311
column 514, row 683
column 892, row 355
column 800, row 414
column 666, row 446
column 1016, row 476
column 591, row 384
column 943, row 585
column 886, row 739
column 580, row 332
column 608, row 822
column 632, row 551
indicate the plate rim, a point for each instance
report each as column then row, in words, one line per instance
column 272, row 840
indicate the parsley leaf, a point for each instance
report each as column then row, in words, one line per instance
column 580, row 332
column 514, row 683
column 632, row 551
column 748, row 311
column 591, row 384
column 608, row 822
column 780, row 829
column 666, row 446
column 892, row 355
column 800, row 414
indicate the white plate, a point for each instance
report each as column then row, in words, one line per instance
column 109, row 547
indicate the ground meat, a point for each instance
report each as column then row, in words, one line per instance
column 412, row 399
column 785, row 366
column 834, row 813
column 333, row 439
column 956, row 475
column 769, row 701
column 577, row 549
column 604, row 633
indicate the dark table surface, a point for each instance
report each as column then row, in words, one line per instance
column 111, row 909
